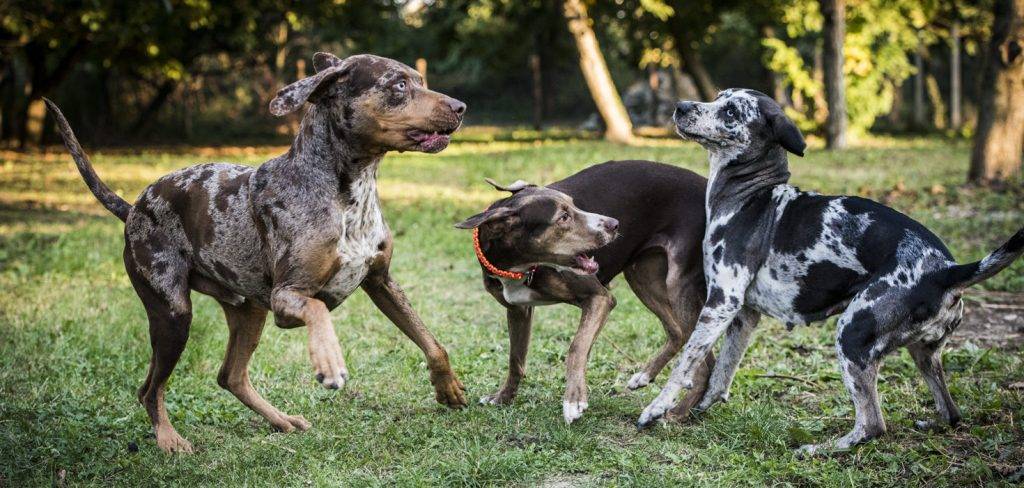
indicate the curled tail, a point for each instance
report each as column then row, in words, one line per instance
column 964, row 275
column 117, row 205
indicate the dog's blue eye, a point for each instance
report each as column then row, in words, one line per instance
column 400, row 86
column 730, row 113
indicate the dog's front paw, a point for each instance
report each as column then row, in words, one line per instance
column 573, row 410
column 652, row 413
column 170, row 442
column 328, row 362
column 336, row 382
column 500, row 397
column 449, row 391
column 807, row 451
column 638, row 381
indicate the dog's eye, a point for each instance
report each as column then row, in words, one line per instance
column 730, row 112
column 400, row 86
column 564, row 217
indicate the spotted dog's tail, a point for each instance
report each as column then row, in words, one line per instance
column 117, row 205
column 964, row 275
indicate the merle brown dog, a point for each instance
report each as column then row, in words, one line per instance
column 558, row 244
column 295, row 236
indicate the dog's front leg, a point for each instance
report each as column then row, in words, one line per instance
column 721, row 308
column 391, row 300
column 595, row 314
column 291, row 307
column 520, row 321
column 737, row 339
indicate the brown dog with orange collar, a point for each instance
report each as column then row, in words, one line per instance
column 564, row 243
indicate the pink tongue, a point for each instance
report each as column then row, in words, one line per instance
column 586, row 263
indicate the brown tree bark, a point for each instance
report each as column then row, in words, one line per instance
column 694, row 66
column 834, row 13
column 618, row 127
column 955, row 113
column 999, row 142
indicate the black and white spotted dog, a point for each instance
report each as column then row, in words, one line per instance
column 800, row 257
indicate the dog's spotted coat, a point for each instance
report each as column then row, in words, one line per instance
column 800, row 257
column 295, row 236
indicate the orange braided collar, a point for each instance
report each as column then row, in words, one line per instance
column 494, row 270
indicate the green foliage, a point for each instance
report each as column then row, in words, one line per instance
column 879, row 36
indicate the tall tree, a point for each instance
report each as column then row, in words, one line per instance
column 834, row 32
column 595, row 71
column 999, row 142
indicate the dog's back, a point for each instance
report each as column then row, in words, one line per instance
column 654, row 203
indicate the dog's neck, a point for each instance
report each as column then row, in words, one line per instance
column 324, row 144
column 734, row 181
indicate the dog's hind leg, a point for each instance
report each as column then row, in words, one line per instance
column 676, row 300
column 648, row 277
column 859, row 366
column 928, row 358
column 245, row 325
column 737, row 339
column 169, row 310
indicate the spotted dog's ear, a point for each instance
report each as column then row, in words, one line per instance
column 322, row 61
column 485, row 217
column 787, row 134
column 292, row 97
column 513, row 187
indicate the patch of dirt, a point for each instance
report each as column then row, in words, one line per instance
column 991, row 319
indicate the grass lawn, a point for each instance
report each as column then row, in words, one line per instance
column 74, row 348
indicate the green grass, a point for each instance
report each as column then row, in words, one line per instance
column 74, row 348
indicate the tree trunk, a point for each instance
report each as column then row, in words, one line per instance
column 42, row 82
column 919, row 122
column 935, row 97
column 955, row 116
column 595, row 71
column 538, row 92
column 999, row 142
column 776, row 85
column 148, row 115
column 834, row 13
column 694, row 66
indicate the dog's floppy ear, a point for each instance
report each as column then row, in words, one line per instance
column 787, row 134
column 485, row 217
column 322, row 61
column 292, row 97
column 513, row 187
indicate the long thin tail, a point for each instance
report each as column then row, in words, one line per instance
column 117, row 205
column 964, row 275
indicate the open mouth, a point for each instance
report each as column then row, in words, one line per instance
column 585, row 264
column 430, row 141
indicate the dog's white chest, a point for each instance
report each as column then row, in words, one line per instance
column 516, row 292
column 361, row 232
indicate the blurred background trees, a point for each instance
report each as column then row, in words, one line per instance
column 202, row 71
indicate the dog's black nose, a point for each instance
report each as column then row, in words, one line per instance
column 611, row 225
column 458, row 107
column 683, row 107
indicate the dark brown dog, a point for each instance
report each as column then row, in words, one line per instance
column 295, row 236
column 549, row 233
